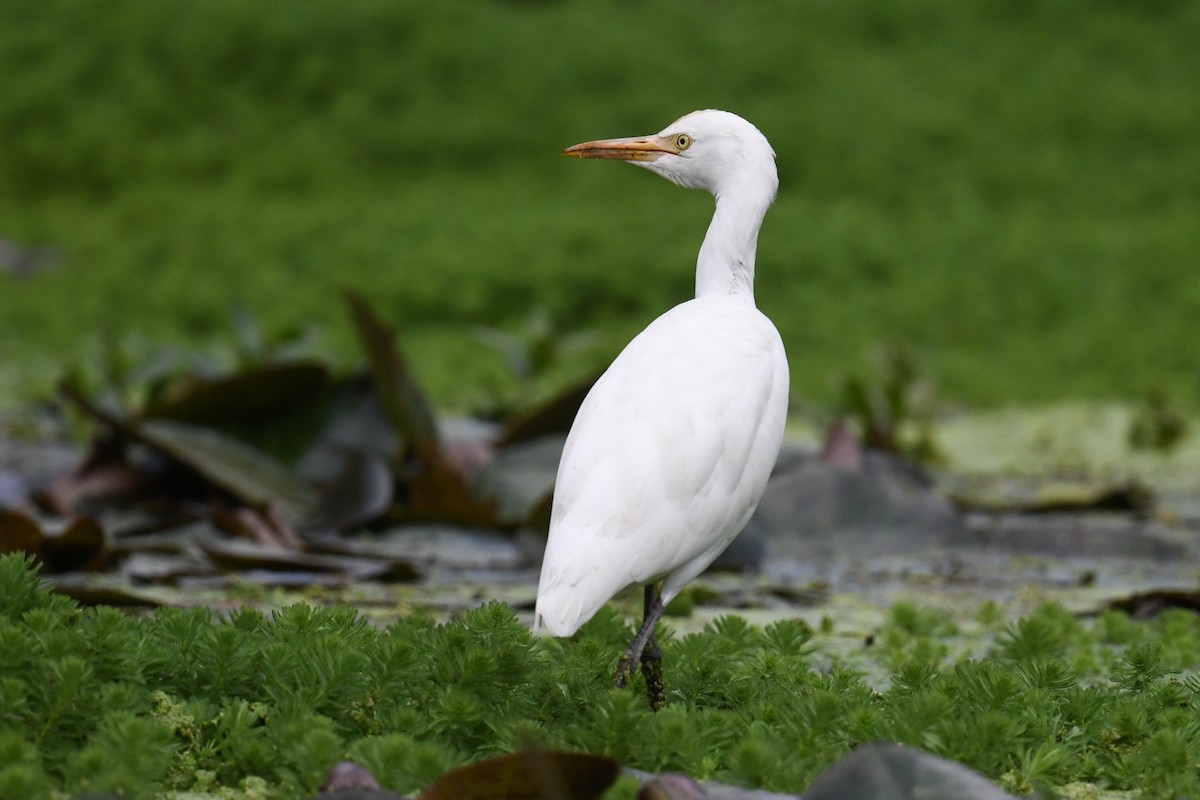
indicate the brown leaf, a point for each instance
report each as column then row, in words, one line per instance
column 94, row 589
column 231, row 464
column 80, row 544
column 1029, row 496
column 254, row 392
column 1145, row 605
column 77, row 544
column 240, row 469
column 103, row 476
column 395, row 383
column 553, row 416
column 19, row 532
column 439, row 493
column 528, row 775
column 538, row 517
column 263, row 527
column 248, row 555
column 114, row 420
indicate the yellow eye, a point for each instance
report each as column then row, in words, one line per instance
column 682, row 141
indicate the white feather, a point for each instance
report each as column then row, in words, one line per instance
column 672, row 448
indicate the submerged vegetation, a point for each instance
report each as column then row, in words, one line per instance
column 95, row 700
column 1009, row 189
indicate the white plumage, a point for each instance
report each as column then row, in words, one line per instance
column 670, row 452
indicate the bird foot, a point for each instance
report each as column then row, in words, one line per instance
column 656, row 692
column 651, row 664
column 624, row 672
column 644, row 651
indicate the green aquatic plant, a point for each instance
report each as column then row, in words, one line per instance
column 254, row 704
column 269, row 155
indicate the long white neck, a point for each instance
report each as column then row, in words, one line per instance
column 726, row 262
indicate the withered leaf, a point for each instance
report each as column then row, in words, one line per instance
column 249, row 555
column 539, row 515
column 258, row 526
column 104, row 475
column 98, row 590
column 20, row 532
column 75, row 544
column 398, row 388
column 439, row 493
column 528, row 775
column 1145, row 605
column 243, row 471
column 553, row 416
column 252, row 393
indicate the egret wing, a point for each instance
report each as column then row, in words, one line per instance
column 667, row 456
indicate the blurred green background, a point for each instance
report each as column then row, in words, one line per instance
column 1010, row 189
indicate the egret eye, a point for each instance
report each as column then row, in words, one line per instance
column 683, row 141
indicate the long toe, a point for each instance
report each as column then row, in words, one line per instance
column 656, row 692
column 624, row 672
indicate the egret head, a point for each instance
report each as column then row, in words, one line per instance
column 711, row 150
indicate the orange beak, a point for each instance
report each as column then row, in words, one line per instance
column 633, row 148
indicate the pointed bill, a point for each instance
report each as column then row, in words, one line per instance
column 632, row 148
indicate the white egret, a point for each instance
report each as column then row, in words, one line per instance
column 670, row 452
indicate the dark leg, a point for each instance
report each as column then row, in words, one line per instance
column 644, row 650
column 656, row 693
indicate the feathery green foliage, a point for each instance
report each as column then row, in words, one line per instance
column 94, row 700
column 1008, row 188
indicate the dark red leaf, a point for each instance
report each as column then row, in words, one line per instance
column 528, row 775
